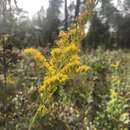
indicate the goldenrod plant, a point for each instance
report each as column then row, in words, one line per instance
column 115, row 115
column 63, row 63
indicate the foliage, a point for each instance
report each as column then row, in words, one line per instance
column 66, row 88
column 98, row 34
column 98, row 99
column 63, row 63
column 8, row 58
column 114, row 115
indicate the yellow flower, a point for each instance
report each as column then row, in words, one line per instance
column 114, row 78
column 38, row 57
column 71, row 48
column 62, row 77
column 113, row 93
column 95, row 78
column 64, row 60
column 75, row 58
column 42, row 109
column 56, row 52
column 83, row 68
column 125, row 118
column 116, row 65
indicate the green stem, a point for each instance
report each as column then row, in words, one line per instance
column 33, row 120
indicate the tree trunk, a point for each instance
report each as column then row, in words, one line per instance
column 77, row 8
column 66, row 16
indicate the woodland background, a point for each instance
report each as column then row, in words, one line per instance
column 98, row 100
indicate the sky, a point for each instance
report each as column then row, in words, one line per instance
column 32, row 6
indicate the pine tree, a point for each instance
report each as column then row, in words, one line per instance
column 52, row 20
column 66, row 16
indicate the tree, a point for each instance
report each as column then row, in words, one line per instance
column 127, row 6
column 66, row 16
column 113, row 24
column 39, row 26
column 52, row 21
column 5, row 5
column 98, row 34
column 77, row 8
column 6, row 12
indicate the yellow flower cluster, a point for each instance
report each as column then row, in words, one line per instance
column 83, row 68
column 71, row 67
column 113, row 93
column 42, row 109
column 63, row 39
column 37, row 56
column 64, row 60
column 72, row 48
column 116, row 65
column 53, row 80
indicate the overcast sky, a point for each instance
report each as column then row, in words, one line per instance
column 32, row 6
